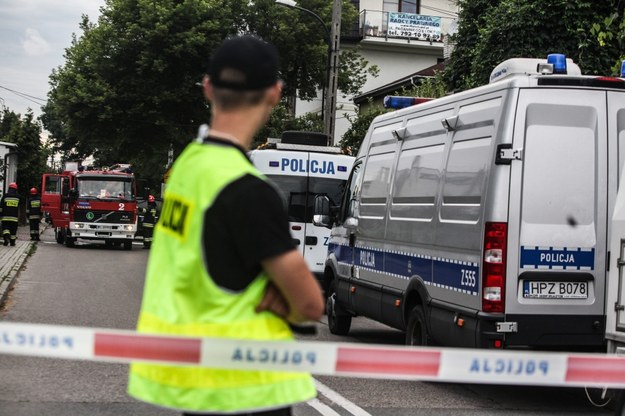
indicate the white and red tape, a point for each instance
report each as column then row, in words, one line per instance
column 320, row 358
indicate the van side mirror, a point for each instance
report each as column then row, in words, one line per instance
column 321, row 212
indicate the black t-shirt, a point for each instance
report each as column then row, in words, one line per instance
column 246, row 224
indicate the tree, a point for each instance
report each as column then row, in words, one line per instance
column 610, row 33
column 128, row 88
column 471, row 18
column 491, row 31
column 433, row 87
column 359, row 125
column 31, row 153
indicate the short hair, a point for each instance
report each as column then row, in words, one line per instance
column 228, row 100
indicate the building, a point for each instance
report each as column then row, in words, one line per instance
column 401, row 37
column 8, row 165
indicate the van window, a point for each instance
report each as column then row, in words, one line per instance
column 416, row 183
column 560, row 165
column 298, row 193
column 465, row 178
column 350, row 197
column 376, row 179
column 620, row 131
column 375, row 187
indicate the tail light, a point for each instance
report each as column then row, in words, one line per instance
column 494, row 267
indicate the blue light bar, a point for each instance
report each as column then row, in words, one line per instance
column 274, row 164
column 397, row 102
column 623, row 69
column 558, row 61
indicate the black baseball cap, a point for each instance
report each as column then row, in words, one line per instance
column 244, row 63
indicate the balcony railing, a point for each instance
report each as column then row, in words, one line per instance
column 376, row 24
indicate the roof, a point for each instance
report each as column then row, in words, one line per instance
column 7, row 144
column 405, row 82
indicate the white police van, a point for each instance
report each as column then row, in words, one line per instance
column 302, row 166
column 480, row 219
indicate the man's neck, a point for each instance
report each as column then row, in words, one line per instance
column 239, row 127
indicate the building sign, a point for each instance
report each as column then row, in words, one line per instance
column 409, row 25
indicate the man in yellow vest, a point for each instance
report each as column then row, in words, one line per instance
column 223, row 263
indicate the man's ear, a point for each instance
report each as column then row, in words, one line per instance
column 207, row 88
column 275, row 93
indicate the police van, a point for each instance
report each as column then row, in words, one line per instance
column 302, row 166
column 480, row 219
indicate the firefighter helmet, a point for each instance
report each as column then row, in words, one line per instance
column 151, row 198
column 12, row 185
column 33, row 191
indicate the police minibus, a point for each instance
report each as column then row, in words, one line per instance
column 480, row 219
column 302, row 166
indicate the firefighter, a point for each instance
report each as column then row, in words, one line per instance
column 149, row 219
column 10, row 204
column 33, row 210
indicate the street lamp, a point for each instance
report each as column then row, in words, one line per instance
column 328, row 96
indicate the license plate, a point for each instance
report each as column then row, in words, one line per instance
column 555, row 290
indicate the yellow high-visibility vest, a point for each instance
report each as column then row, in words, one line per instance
column 181, row 298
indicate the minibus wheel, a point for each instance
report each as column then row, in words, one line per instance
column 338, row 323
column 416, row 331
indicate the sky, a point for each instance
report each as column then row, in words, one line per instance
column 33, row 38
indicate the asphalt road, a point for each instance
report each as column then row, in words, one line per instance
column 97, row 287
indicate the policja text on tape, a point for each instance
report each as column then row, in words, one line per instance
column 319, row 358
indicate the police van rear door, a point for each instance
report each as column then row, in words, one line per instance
column 558, row 213
column 616, row 288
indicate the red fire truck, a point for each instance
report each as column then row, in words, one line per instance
column 91, row 204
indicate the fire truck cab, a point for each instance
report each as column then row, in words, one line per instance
column 91, row 204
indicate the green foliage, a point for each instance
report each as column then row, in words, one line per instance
column 610, row 33
column 434, row 87
column 281, row 120
column 127, row 90
column 359, row 125
column 31, row 153
column 491, row 31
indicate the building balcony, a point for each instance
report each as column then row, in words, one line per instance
column 395, row 28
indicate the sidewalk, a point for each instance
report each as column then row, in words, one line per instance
column 12, row 259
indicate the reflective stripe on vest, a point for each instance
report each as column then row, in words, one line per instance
column 181, row 298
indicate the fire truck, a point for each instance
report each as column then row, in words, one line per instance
column 91, row 204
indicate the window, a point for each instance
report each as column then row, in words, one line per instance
column 298, row 193
column 405, row 6
column 105, row 188
column 52, row 185
column 350, row 197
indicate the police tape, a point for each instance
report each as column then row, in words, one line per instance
column 319, row 358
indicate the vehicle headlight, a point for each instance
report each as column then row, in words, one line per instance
column 128, row 227
column 79, row 225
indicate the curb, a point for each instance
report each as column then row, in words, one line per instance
column 11, row 269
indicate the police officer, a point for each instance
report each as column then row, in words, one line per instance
column 222, row 262
column 10, row 204
column 149, row 219
column 33, row 210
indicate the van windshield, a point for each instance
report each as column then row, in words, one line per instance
column 298, row 193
